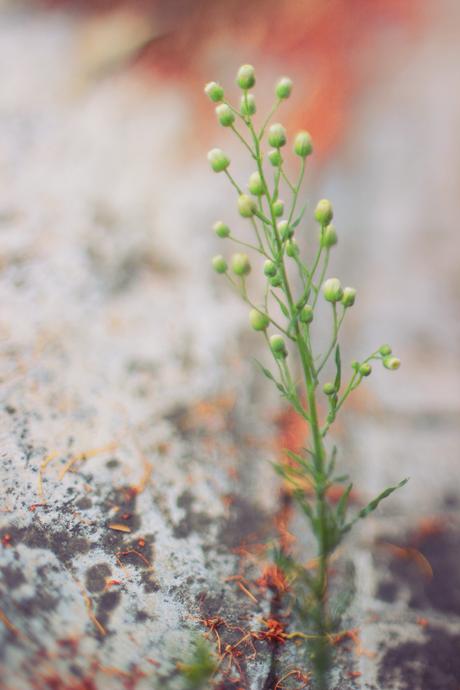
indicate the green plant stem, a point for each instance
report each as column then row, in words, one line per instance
column 320, row 589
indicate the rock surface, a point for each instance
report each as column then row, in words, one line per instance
column 135, row 434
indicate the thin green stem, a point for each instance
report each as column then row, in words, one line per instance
column 336, row 328
column 232, row 181
column 269, row 117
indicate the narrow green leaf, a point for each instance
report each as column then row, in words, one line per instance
column 331, row 466
column 282, row 306
column 338, row 365
column 374, row 504
column 343, row 504
column 299, row 218
column 270, row 376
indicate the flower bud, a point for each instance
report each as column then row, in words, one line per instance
column 221, row 229
column 214, row 91
column 278, row 346
column 391, row 363
column 241, row 265
column 292, row 249
column 285, row 230
column 355, row 365
column 306, row 315
column 303, row 145
column 277, row 136
column 218, row 160
column 248, row 105
column 385, row 350
column 255, row 185
column 324, row 212
column 283, row 88
column 328, row 236
column 365, row 369
column 219, row 264
column 246, row 77
column 278, row 208
column 246, row 206
column 270, row 269
column 258, row 320
column 332, row 290
column 275, row 281
column 275, row 157
column 329, row 388
column 349, row 296
column 225, row 115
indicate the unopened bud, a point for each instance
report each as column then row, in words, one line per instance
column 278, row 208
column 275, row 281
column 258, row 320
column 365, row 369
column 355, row 365
column 214, row 91
column 385, row 350
column 277, row 136
column 329, row 388
column 285, row 230
column 255, row 184
column 324, row 212
column 221, row 229
column 332, row 290
column 349, row 296
column 246, row 77
column 283, row 88
column 391, row 363
column 292, row 249
column 275, row 158
column 269, row 269
column 218, row 160
column 241, row 265
column 303, row 145
column 246, row 206
column 328, row 236
column 219, row 264
column 278, row 346
column 225, row 115
column 306, row 315
column 248, row 105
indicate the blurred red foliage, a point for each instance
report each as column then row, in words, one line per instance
column 323, row 42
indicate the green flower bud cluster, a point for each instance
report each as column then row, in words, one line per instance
column 246, row 206
column 332, row 290
column 255, row 184
column 258, row 320
column 225, row 115
column 218, row 159
column 275, row 158
column 285, row 230
column 283, row 88
column 324, row 212
column 278, row 208
column 241, row 265
column 214, row 91
column 221, row 229
column 246, row 77
column 303, row 145
column 277, row 136
column 278, row 346
column 328, row 236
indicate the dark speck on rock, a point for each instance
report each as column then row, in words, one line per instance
column 96, row 577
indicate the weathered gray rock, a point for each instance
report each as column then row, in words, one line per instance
column 135, row 433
